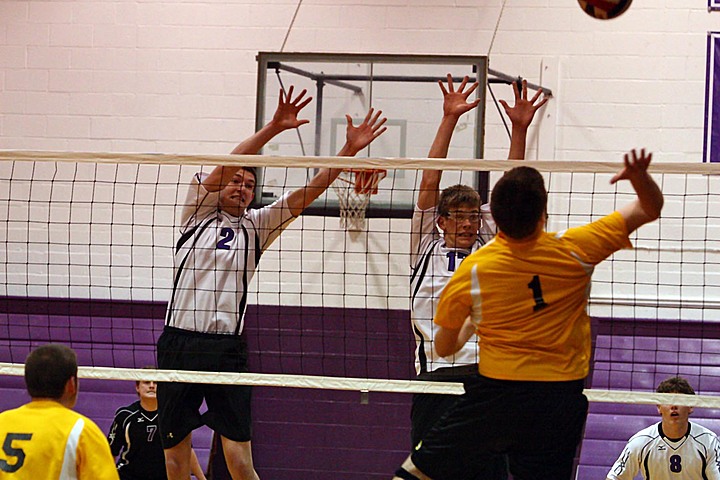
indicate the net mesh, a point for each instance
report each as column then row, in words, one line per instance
column 87, row 259
column 354, row 188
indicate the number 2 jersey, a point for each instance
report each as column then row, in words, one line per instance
column 433, row 263
column 528, row 299
column 135, row 437
column 45, row 440
column 215, row 260
column 659, row 458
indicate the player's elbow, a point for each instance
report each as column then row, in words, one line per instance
column 446, row 342
column 443, row 350
column 653, row 210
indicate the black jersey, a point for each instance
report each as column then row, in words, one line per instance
column 134, row 435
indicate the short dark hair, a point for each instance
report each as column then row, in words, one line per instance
column 675, row 385
column 252, row 170
column 518, row 202
column 457, row 196
column 48, row 369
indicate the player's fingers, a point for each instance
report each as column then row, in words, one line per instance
column 464, row 82
column 380, row 124
column 536, row 96
column 442, row 87
column 299, row 97
column 542, row 102
column 472, row 88
column 302, row 105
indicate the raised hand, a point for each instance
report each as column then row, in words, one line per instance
column 635, row 168
column 522, row 113
column 285, row 116
column 455, row 102
column 363, row 135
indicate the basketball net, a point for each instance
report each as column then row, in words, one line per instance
column 354, row 187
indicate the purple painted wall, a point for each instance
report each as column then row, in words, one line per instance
column 296, row 431
column 324, row 434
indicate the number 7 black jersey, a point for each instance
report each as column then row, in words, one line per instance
column 215, row 260
column 659, row 458
column 134, row 435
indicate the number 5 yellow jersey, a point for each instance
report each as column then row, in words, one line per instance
column 528, row 300
column 45, row 440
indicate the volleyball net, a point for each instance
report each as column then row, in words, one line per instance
column 87, row 258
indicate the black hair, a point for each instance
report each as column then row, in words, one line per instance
column 518, row 202
column 48, row 369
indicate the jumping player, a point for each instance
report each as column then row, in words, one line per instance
column 215, row 259
column 465, row 226
column 526, row 293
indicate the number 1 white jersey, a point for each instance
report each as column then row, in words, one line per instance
column 695, row 456
column 215, row 260
column 432, row 264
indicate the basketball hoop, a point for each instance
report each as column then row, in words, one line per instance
column 354, row 187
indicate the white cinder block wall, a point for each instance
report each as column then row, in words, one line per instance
column 179, row 76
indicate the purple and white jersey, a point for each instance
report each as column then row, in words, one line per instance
column 432, row 264
column 215, row 260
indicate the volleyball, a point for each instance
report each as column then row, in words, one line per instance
column 604, row 9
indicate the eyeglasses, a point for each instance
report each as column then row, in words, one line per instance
column 462, row 216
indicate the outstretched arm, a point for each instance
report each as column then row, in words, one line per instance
column 521, row 115
column 357, row 138
column 455, row 104
column 650, row 199
column 285, row 118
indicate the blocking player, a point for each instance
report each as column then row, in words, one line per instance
column 465, row 227
column 216, row 257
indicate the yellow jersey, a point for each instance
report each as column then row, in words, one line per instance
column 528, row 300
column 45, row 440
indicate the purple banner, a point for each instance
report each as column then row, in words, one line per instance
column 711, row 143
column 713, row 4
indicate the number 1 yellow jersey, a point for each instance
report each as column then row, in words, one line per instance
column 45, row 440
column 528, row 300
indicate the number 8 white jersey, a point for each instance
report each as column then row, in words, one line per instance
column 659, row 458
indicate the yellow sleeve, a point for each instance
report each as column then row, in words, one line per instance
column 94, row 460
column 456, row 299
column 600, row 239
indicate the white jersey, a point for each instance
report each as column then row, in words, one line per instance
column 215, row 260
column 659, row 458
column 432, row 264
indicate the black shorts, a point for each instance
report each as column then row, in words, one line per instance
column 228, row 406
column 428, row 408
column 538, row 425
